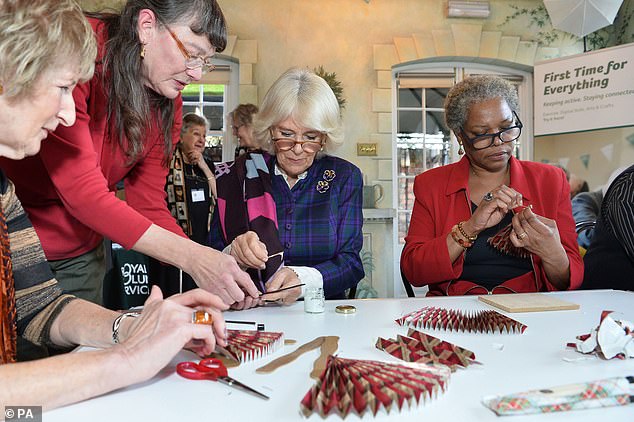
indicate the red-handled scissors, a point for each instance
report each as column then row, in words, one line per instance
column 213, row 370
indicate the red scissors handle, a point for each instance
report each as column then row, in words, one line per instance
column 206, row 369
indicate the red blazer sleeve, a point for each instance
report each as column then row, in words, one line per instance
column 425, row 259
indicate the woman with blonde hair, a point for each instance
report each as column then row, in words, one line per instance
column 302, row 218
column 47, row 47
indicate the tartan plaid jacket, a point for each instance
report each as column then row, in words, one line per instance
column 319, row 222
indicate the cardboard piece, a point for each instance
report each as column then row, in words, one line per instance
column 528, row 302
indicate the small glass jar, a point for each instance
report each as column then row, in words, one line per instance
column 314, row 301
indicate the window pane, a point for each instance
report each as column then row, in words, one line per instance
column 410, row 122
column 435, row 97
column 214, row 116
column 410, row 97
column 435, row 122
column 189, row 109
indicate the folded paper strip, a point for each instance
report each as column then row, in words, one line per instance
column 590, row 395
column 247, row 345
column 419, row 347
column 480, row 321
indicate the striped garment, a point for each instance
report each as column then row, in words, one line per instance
column 38, row 298
column 609, row 262
column 320, row 222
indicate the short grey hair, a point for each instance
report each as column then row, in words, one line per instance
column 476, row 89
column 192, row 119
column 39, row 35
column 307, row 98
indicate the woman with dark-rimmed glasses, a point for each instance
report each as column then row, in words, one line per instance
column 301, row 221
column 128, row 122
column 490, row 223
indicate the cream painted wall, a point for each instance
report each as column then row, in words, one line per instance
column 573, row 145
column 340, row 34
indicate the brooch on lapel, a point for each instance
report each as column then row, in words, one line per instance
column 323, row 185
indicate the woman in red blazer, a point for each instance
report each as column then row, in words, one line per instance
column 462, row 209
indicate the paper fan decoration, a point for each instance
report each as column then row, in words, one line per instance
column 246, row 345
column 484, row 321
column 350, row 385
column 502, row 243
column 419, row 347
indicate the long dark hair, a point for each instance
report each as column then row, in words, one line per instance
column 130, row 102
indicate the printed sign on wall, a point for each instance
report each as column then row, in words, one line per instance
column 594, row 90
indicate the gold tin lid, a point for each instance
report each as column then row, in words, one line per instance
column 345, row 309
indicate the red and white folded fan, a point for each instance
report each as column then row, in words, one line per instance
column 419, row 347
column 350, row 385
column 247, row 345
column 480, row 321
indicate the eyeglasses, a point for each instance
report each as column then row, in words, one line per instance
column 192, row 61
column 507, row 135
column 311, row 142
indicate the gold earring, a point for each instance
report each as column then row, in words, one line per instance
column 142, row 51
column 1, row 89
column 461, row 150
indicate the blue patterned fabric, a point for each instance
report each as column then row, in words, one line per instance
column 320, row 222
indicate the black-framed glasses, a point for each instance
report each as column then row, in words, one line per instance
column 311, row 142
column 507, row 135
column 192, row 61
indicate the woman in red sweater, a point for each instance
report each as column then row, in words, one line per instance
column 128, row 121
column 462, row 209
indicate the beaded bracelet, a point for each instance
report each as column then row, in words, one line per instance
column 464, row 233
column 464, row 244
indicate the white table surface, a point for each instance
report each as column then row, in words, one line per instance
column 530, row 360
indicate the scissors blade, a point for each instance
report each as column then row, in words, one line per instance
column 237, row 384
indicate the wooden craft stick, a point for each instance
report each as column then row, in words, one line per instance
column 288, row 358
column 328, row 347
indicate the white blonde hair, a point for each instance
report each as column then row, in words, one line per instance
column 306, row 98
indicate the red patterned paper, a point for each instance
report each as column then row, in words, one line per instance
column 245, row 345
column 501, row 241
column 483, row 321
column 422, row 348
column 612, row 338
column 363, row 385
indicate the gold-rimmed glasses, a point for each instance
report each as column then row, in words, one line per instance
column 192, row 61
column 311, row 142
